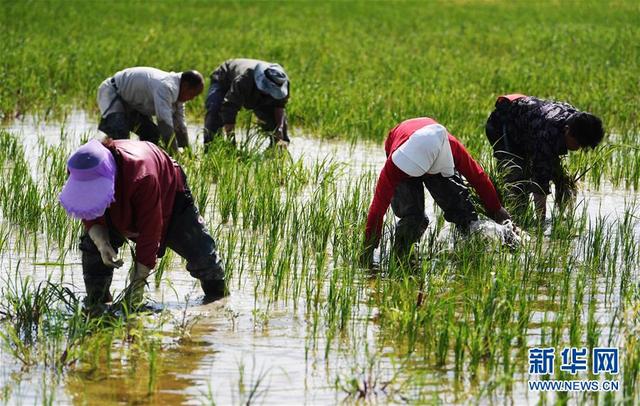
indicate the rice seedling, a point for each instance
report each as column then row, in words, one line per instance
column 289, row 227
column 296, row 239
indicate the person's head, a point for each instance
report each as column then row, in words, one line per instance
column 584, row 130
column 271, row 79
column 90, row 188
column 191, row 85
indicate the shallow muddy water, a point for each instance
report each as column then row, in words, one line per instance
column 245, row 338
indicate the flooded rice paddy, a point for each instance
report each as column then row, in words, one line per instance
column 304, row 325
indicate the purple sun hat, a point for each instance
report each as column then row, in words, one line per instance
column 90, row 188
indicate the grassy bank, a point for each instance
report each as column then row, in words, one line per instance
column 357, row 68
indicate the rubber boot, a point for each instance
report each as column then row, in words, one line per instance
column 214, row 288
column 98, row 295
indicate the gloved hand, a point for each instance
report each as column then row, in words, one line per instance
column 137, row 282
column 100, row 237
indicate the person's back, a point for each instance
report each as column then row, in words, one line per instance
column 531, row 121
column 232, row 69
column 141, row 87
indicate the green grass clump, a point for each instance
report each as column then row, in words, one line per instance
column 356, row 67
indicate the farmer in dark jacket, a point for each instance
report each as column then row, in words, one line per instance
column 133, row 190
column 255, row 85
column 528, row 136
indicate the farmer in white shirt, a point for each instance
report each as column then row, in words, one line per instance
column 128, row 99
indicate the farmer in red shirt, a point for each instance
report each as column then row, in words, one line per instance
column 133, row 190
column 421, row 153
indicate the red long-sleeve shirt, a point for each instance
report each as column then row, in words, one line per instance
column 391, row 175
column 147, row 180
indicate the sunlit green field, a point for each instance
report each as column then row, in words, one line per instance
column 356, row 68
column 304, row 323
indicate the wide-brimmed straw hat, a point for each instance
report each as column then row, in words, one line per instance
column 271, row 79
column 90, row 188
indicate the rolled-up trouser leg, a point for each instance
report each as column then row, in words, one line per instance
column 188, row 237
column 97, row 276
column 212, row 120
column 452, row 196
column 408, row 204
column 144, row 127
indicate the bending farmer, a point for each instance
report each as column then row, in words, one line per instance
column 421, row 153
column 128, row 99
column 528, row 136
column 133, row 190
column 255, row 85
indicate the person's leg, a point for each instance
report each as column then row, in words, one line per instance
column 408, row 204
column 212, row 120
column 511, row 163
column 452, row 196
column 144, row 126
column 113, row 120
column 115, row 125
column 97, row 276
column 188, row 237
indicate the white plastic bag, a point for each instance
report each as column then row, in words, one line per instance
column 505, row 234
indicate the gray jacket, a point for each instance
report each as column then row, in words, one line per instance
column 150, row 91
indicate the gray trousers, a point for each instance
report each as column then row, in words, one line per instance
column 450, row 194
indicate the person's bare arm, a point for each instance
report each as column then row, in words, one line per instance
column 278, row 133
column 279, row 118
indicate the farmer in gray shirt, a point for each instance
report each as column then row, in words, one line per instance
column 255, row 85
column 128, row 99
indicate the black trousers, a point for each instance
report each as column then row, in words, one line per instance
column 213, row 121
column 450, row 194
column 187, row 235
column 119, row 125
column 511, row 161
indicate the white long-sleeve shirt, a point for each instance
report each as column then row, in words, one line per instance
column 150, row 91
